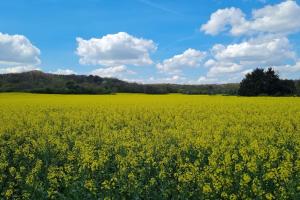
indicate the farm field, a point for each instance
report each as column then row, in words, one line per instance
column 131, row 146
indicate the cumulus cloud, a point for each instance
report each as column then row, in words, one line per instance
column 281, row 18
column 267, row 46
column 18, row 69
column 223, row 68
column 190, row 58
column 256, row 52
column 289, row 69
column 116, row 71
column 267, row 50
column 63, row 72
column 173, row 79
column 230, row 63
column 206, row 80
column 115, row 49
column 17, row 50
column 221, row 19
column 170, row 79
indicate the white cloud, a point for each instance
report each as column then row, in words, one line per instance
column 174, row 79
column 206, row 80
column 221, row 19
column 267, row 50
column 115, row 49
column 209, row 63
column 17, row 69
column 231, row 62
column 223, row 68
column 134, row 80
column 269, row 45
column 281, row 18
column 232, row 77
column 247, row 71
column 189, row 58
column 286, row 69
column 117, row 71
column 63, row 72
column 17, row 50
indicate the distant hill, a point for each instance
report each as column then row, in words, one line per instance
column 40, row 82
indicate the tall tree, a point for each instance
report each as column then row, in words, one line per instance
column 260, row 82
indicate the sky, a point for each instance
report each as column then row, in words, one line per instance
column 151, row 41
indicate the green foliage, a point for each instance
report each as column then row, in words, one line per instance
column 260, row 82
column 39, row 82
column 149, row 147
column 297, row 84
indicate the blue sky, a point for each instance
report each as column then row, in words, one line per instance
column 138, row 40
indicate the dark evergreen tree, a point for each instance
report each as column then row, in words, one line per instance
column 287, row 87
column 260, row 82
column 297, row 84
column 253, row 84
column 271, row 82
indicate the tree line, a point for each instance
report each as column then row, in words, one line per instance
column 258, row 82
column 39, row 82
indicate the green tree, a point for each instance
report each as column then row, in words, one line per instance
column 260, row 82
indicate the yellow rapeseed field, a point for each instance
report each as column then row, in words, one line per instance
column 130, row 146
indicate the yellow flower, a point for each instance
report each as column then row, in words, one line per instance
column 269, row 196
column 246, row 178
column 206, row 188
